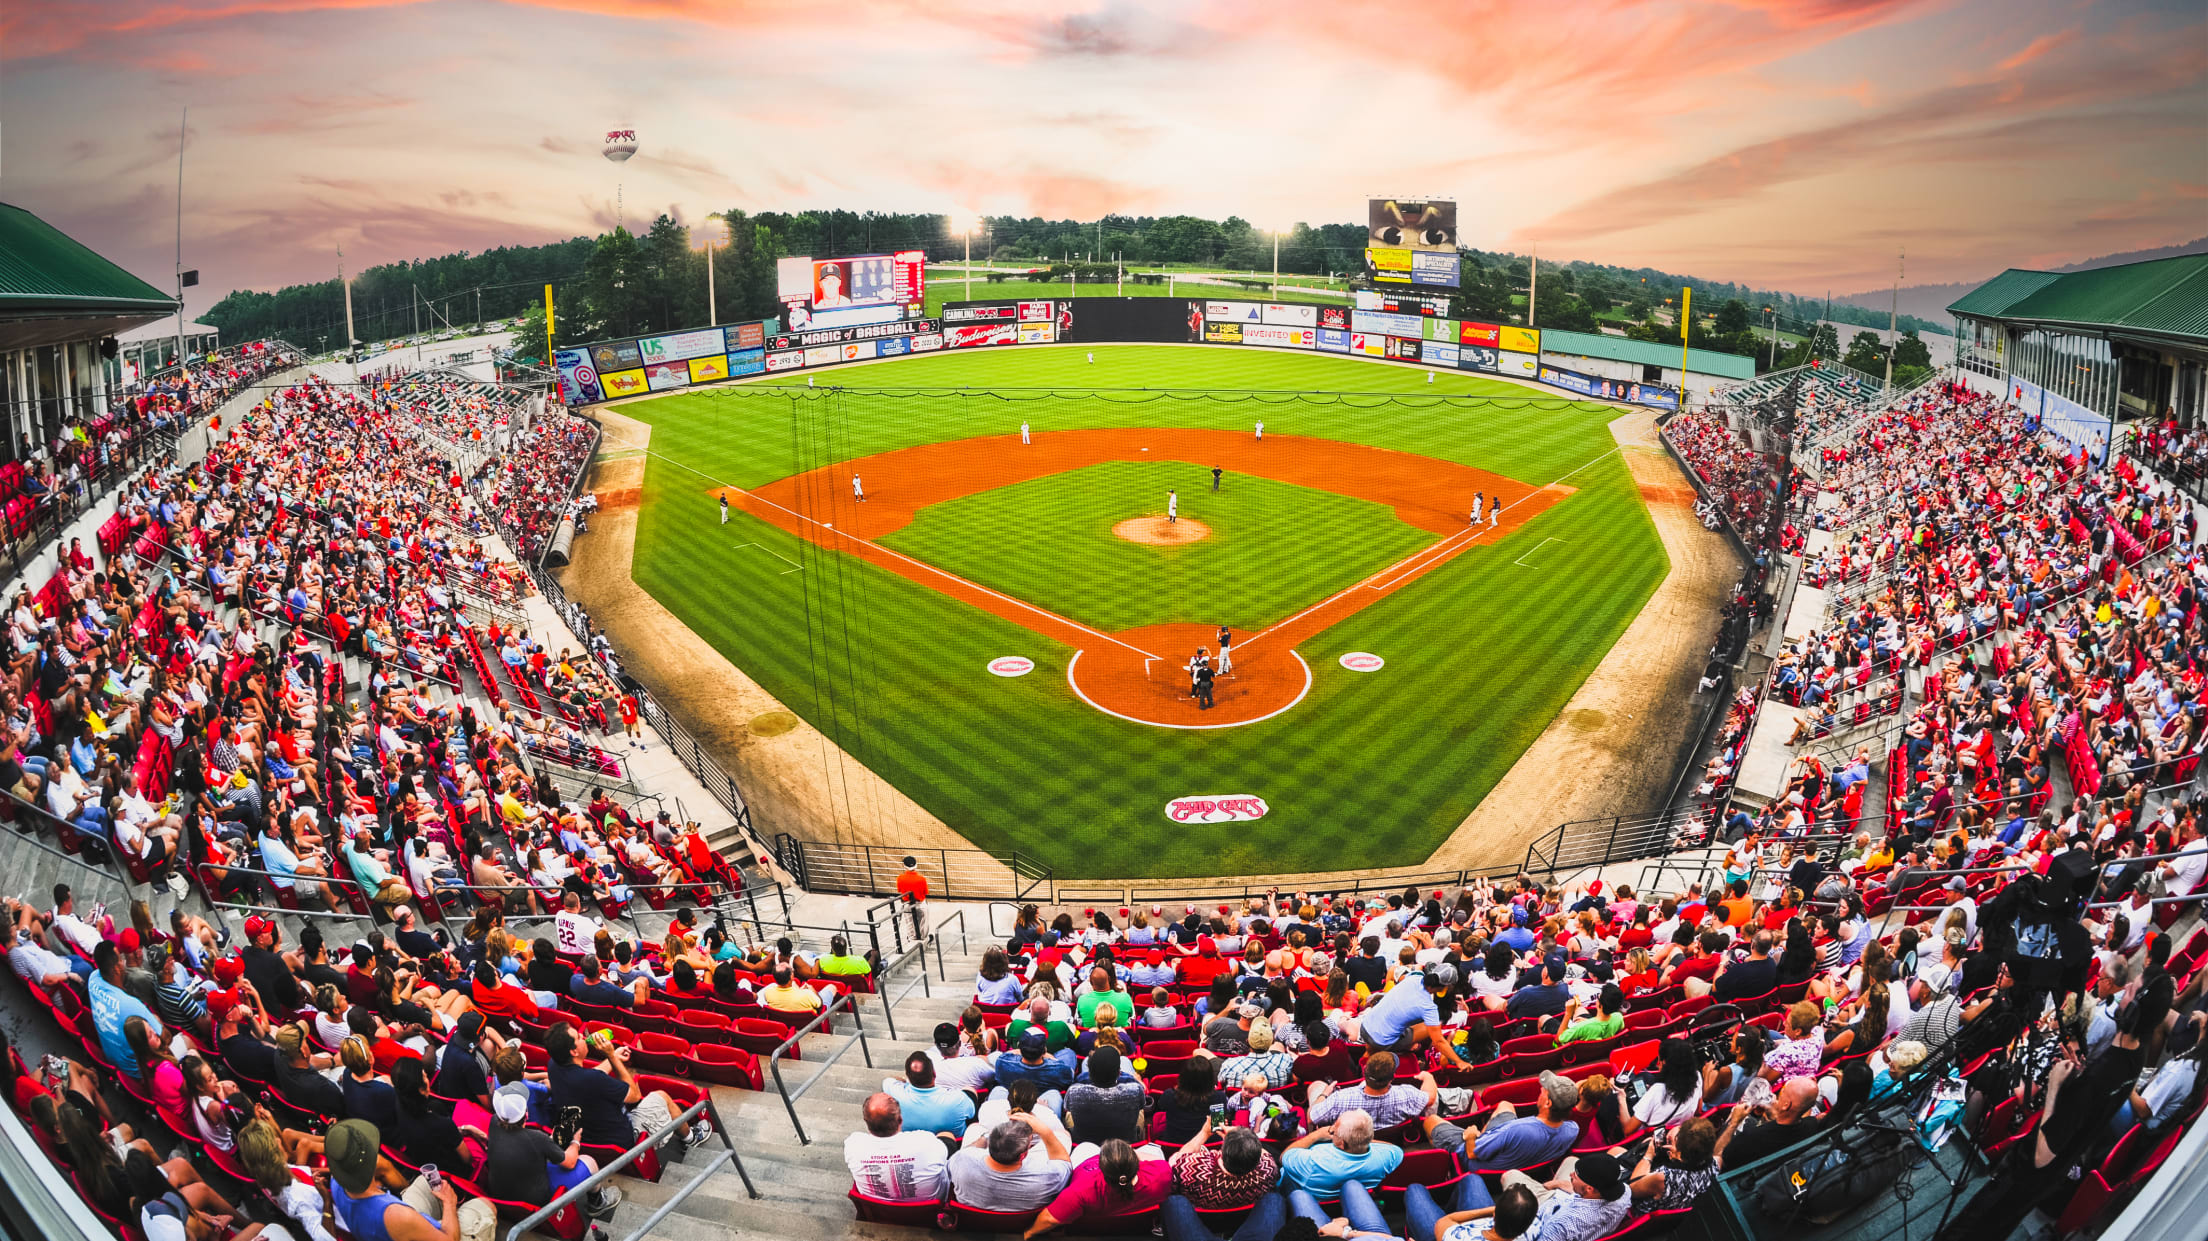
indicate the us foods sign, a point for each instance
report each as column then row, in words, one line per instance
column 1235, row 809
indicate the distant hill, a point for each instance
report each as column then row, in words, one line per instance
column 1930, row 301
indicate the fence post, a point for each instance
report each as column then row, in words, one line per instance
column 943, row 859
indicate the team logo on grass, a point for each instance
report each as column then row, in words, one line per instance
column 1239, row 808
column 1011, row 665
column 1362, row 661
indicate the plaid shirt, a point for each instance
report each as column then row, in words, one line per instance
column 1277, row 1066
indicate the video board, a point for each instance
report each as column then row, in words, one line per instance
column 848, row 292
column 1411, row 242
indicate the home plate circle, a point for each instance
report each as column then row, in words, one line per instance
column 1011, row 665
column 1362, row 661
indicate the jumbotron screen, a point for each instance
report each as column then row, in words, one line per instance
column 866, row 288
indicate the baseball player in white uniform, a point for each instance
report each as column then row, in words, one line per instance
column 858, row 492
column 1260, row 432
column 1172, row 506
column 1477, row 498
column 1023, row 434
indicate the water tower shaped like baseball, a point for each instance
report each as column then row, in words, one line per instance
column 620, row 144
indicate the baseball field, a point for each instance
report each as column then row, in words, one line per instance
column 1001, row 627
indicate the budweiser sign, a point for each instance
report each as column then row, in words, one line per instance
column 1240, row 808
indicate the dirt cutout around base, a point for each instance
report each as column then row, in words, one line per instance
column 1141, row 675
column 1161, row 531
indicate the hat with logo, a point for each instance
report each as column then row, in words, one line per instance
column 351, row 1147
column 227, row 970
column 257, row 926
column 1034, row 1040
column 1602, row 1171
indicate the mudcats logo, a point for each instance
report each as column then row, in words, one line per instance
column 1240, row 808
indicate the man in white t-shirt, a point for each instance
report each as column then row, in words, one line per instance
column 887, row 1162
column 2182, row 874
column 974, row 1073
column 574, row 932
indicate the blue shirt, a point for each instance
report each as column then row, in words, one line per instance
column 1519, row 938
column 1406, row 1004
column 278, row 857
column 111, row 1007
column 938, row 1109
column 1054, row 1073
column 1522, row 1142
column 1323, row 1169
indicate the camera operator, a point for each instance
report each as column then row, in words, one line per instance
column 1730, row 1065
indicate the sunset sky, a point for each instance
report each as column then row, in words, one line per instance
column 1793, row 144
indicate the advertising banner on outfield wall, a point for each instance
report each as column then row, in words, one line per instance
column 1523, row 365
column 681, row 346
column 1223, row 333
column 1403, row 348
column 1333, row 340
column 622, row 383
column 745, row 336
column 747, row 362
column 615, row 355
column 1368, row 344
column 896, row 345
column 706, row 370
column 1281, row 315
column 974, row 335
column 578, row 378
column 1335, row 318
column 1441, row 329
column 1488, row 334
column 1382, row 323
column 859, row 351
column 1036, row 312
column 982, row 312
column 1441, row 352
column 660, row 376
column 1234, row 312
column 1476, row 358
column 1519, row 340
column 785, row 359
column 1279, row 337
column 927, row 342
column 1606, row 389
column 1041, row 333
column 823, row 355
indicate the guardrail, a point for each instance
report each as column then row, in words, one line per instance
column 952, row 874
column 727, row 1155
column 824, row 1020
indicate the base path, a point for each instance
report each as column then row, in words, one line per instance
column 1141, row 674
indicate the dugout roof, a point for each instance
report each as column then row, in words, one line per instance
column 55, row 289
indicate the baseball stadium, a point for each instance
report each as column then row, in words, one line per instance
column 1489, row 712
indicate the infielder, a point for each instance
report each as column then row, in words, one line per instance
column 1477, row 497
column 1023, row 434
column 1495, row 513
column 1226, row 650
column 1172, row 506
column 1260, row 432
column 858, row 492
column 724, row 510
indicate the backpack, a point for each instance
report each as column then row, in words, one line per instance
column 1835, row 1177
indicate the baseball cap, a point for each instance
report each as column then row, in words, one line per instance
column 227, row 970
column 1563, row 1092
column 1207, row 945
column 128, row 940
column 289, row 1039
column 221, row 1003
column 1601, row 1170
column 512, row 1106
column 257, row 926
column 1032, row 1039
column 351, row 1147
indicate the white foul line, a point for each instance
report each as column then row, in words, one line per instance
column 794, row 566
column 1536, row 547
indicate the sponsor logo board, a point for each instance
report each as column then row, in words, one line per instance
column 1369, row 345
column 1362, row 661
column 660, row 376
column 1039, row 333
column 1333, row 340
column 1487, row 334
column 1281, row 315
column 1475, row 358
column 896, row 345
column 746, row 336
column 860, row 350
column 1440, row 352
column 618, row 355
column 1232, row 808
column 1384, row 323
column 681, row 346
column 1335, row 317
column 622, row 383
column 970, row 335
column 1525, row 364
column 1036, row 312
column 747, row 362
column 1519, row 339
column 1011, row 665
column 785, row 359
column 1279, row 337
column 1223, row 333
column 1403, row 349
column 823, row 355
column 706, row 370
column 927, row 342
column 1000, row 312
column 1234, row 312
column 1441, row 329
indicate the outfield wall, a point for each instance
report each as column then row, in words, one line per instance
column 1442, row 344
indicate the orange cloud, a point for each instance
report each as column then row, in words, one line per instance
column 2039, row 47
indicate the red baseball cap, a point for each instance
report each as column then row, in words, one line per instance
column 220, row 1004
column 128, row 940
column 1207, row 945
column 257, row 926
column 228, row 970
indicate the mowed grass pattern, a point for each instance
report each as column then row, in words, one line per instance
column 1274, row 548
column 1369, row 770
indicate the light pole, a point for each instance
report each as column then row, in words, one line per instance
column 712, row 305
column 1276, row 264
column 969, row 234
column 1773, row 360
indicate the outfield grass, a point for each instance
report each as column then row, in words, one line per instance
column 1369, row 770
column 1274, row 549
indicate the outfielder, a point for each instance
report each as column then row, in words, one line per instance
column 1092, row 357
column 1023, row 434
column 1261, row 432
column 1172, row 506
column 858, row 492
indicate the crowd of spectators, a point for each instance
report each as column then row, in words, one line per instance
column 1737, row 487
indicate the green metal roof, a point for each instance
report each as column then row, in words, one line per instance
column 2162, row 295
column 44, row 269
column 1646, row 353
column 1995, row 296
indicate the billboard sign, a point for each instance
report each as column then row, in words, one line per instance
column 1434, row 270
column 1523, row 365
column 660, row 376
column 1333, row 340
column 1403, row 348
column 1519, row 340
column 1278, row 337
column 1488, row 334
column 1476, row 358
column 859, row 351
column 837, row 336
column 823, row 355
column 706, row 370
column 1281, row 315
column 995, row 312
column 615, row 355
column 1369, row 345
column 578, row 378
column 1440, row 352
column 622, row 383
column 1381, row 323
column 681, row 346
column 1234, row 312
column 927, row 342
column 896, row 345
column 1412, row 224
column 1223, row 333
column 971, row 335
column 785, row 359
column 1390, row 266
column 747, row 362
column 1441, row 329
column 746, row 336
column 1042, row 333
column 1335, row 318
column 1036, row 312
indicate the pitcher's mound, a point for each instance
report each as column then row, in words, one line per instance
column 1158, row 532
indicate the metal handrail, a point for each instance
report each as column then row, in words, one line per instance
column 881, row 983
column 824, row 1020
column 652, row 1142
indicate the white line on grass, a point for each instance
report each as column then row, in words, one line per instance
column 794, row 566
column 1536, row 547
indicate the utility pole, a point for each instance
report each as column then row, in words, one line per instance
column 1893, row 314
column 1533, row 290
column 346, row 281
column 479, row 308
column 1276, row 264
column 968, row 232
column 183, row 128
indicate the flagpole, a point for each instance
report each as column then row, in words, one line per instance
column 183, row 126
